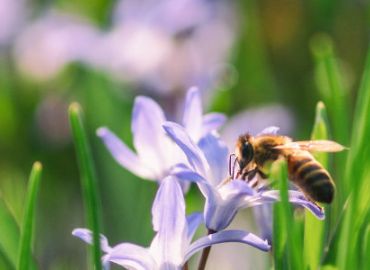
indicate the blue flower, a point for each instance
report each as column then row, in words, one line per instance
column 155, row 152
column 171, row 247
column 224, row 196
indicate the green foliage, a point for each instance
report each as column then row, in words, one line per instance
column 314, row 229
column 350, row 255
column 25, row 247
column 287, row 245
column 9, row 237
column 88, row 179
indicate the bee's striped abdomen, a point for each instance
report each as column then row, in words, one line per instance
column 311, row 177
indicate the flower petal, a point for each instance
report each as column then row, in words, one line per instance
column 193, row 220
column 86, row 235
column 295, row 197
column 183, row 173
column 212, row 121
column 192, row 119
column 272, row 130
column 298, row 198
column 169, row 222
column 192, row 152
column 219, row 212
column 236, row 189
column 217, row 154
column 227, row 236
column 263, row 215
column 131, row 256
column 149, row 139
column 123, row 155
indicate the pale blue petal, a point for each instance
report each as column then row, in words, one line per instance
column 132, row 257
column 298, row 198
column 295, row 197
column 123, row 155
column 263, row 216
column 224, row 237
column 191, row 150
column 272, row 130
column 169, row 222
column 218, row 213
column 212, row 121
column 185, row 174
column 192, row 119
column 148, row 136
column 193, row 221
column 217, row 156
column 236, row 189
column 86, row 235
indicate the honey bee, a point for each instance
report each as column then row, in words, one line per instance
column 253, row 154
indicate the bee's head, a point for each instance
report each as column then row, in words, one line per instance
column 244, row 150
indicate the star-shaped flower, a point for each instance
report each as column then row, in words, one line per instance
column 171, row 247
column 224, row 197
column 155, row 152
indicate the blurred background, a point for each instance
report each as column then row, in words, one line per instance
column 252, row 60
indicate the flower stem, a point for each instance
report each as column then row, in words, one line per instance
column 205, row 254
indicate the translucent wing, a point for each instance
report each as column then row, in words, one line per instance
column 313, row 146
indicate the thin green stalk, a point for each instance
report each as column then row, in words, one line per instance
column 314, row 228
column 349, row 255
column 88, row 180
column 331, row 85
column 287, row 245
column 25, row 248
column 366, row 248
column 9, row 236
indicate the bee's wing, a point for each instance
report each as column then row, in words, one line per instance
column 313, row 146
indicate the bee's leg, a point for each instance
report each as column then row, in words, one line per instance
column 252, row 174
column 253, row 180
column 246, row 175
column 262, row 174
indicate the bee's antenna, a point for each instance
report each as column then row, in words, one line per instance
column 231, row 172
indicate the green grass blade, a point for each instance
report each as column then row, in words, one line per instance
column 314, row 228
column 366, row 248
column 357, row 175
column 331, row 87
column 9, row 236
column 320, row 131
column 287, row 240
column 25, row 247
column 88, row 179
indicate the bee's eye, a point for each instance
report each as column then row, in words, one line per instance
column 247, row 152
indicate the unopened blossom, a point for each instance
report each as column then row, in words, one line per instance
column 171, row 247
column 156, row 153
column 208, row 163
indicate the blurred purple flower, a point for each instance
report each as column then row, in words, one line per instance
column 156, row 152
column 13, row 14
column 171, row 246
column 224, row 197
column 51, row 42
column 179, row 33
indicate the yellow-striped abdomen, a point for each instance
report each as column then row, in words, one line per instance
column 311, row 177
